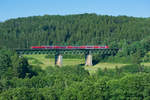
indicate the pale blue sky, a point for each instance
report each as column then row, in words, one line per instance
column 23, row 8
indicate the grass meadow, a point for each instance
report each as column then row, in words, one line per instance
column 43, row 62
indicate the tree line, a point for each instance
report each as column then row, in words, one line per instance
column 81, row 29
column 21, row 81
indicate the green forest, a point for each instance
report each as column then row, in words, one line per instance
column 21, row 81
column 82, row 29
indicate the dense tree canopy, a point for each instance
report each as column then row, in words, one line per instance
column 11, row 65
column 82, row 29
column 21, row 81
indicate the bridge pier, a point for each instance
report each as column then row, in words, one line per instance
column 58, row 60
column 58, row 53
column 88, row 60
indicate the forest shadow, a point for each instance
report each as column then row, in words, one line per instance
column 95, row 62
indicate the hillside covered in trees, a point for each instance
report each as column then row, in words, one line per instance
column 82, row 29
column 21, row 81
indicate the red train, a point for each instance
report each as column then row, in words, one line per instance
column 69, row 47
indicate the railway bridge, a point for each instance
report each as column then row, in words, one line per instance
column 60, row 52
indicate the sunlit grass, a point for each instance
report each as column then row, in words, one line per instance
column 93, row 69
column 146, row 64
column 40, row 60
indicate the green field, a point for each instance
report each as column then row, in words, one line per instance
column 146, row 64
column 40, row 60
column 93, row 69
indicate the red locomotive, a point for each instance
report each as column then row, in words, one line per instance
column 69, row 47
